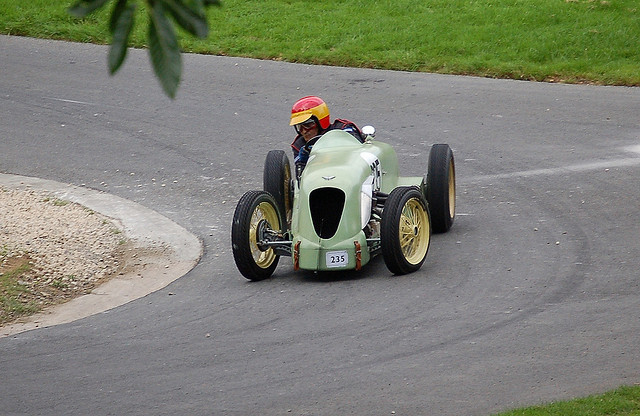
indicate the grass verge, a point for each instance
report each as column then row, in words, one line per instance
column 15, row 297
column 624, row 401
column 595, row 41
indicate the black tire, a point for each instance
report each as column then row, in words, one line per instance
column 255, row 210
column 439, row 187
column 276, row 180
column 405, row 230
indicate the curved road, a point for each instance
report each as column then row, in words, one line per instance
column 532, row 296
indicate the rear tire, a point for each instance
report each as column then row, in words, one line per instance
column 439, row 187
column 276, row 180
column 405, row 230
column 255, row 211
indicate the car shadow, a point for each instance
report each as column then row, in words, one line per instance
column 370, row 270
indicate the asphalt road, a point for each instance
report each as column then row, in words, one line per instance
column 532, row 296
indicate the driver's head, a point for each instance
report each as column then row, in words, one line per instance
column 310, row 116
column 308, row 129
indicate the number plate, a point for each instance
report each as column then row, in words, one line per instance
column 337, row 258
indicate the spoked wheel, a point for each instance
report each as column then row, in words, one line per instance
column 255, row 215
column 276, row 180
column 439, row 187
column 405, row 231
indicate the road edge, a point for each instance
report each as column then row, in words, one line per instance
column 168, row 252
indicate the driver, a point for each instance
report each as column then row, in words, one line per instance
column 310, row 118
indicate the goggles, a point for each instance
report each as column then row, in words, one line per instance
column 306, row 125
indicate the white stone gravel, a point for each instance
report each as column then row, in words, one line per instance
column 71, row 248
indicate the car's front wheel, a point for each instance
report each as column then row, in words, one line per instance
column 276, row 180
column 405, row 230
column 255, row 215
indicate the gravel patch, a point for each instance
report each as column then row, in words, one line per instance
column 69, row 248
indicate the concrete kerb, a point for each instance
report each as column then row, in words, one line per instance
column 144, row 227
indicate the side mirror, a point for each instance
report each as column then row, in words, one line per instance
column 369, row 132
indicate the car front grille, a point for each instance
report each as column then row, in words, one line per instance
column 326, row 205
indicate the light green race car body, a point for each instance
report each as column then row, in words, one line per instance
column 339, row 162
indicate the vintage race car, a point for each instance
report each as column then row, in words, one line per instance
column 347, row 205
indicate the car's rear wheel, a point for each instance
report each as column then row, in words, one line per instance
column 276, row 180
column 439, row 187
column 405, row 230
column 255, row 214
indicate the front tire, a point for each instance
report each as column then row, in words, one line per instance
column 276, row 180
column 255, row 211
column 405, row 230
column 439, row 187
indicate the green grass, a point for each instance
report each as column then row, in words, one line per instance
column 624, row 401
column 11, row 291
column 56, row 202
column 594, row 41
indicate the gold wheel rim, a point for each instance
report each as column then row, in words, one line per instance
column 264, row 211
column 452, row 191
column 287, row 197
column 414, row 231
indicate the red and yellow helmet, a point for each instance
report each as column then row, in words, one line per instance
column 308, row 107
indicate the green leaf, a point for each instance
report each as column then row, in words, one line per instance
column 118, row 9
column 189, row 18
column 212, row 3
column 196, row 5
column 164, row 50
column 120, row 25
column 85, row 7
